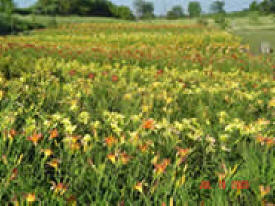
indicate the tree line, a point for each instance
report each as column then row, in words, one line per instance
column 103, row 8
column 83, row 7
column 143, row 8
column 266, row 6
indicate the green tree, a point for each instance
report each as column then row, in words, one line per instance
column 82, row 7
column 267, row 6
column 175, row 12
column 272, row 6
column 217, row 7
column 6, row 7
column 194, row 9
column 65, row 6
column 254, row 6
column 123, row 12
column 144, row 9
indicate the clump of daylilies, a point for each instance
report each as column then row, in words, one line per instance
column 88, row 118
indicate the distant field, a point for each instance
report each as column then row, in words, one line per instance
column 254, row 31
column 254, row 38
column 69, row 19
column 250, row 30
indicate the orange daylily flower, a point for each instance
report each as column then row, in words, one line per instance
column 182, row 152
column 264, row 190
column 160, row 168
column 143, row 148
column 53, row 134
column 59, row 188
column 270, row 141
column 260, row 139
column 14, row 174
column 109, row 141
column 54, row 163
column 265, row 140
column 148, row 124
column 12, row 133
column 35, row 138
column 125, row 158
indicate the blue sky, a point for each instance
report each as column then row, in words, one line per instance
column 161, row 6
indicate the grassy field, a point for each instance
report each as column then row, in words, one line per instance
column 105, row 112
column 254, row 37
column 254, row 29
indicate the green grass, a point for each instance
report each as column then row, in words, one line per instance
column 253, row 31
column 254, row 38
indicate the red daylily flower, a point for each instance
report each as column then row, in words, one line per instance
column 104, row 73
column 159, row 72
column 72, row 72
column 91, row 76
column 114, row 78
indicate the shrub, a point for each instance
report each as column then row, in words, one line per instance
column 23, row 11
column 12, row 24
column 194, row 9
column 123, row 12
column 203, row 21
column 175, row 13
column 220, row 19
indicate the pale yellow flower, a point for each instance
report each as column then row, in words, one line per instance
column 271, row 103
column 1, row 94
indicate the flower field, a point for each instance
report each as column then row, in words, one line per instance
column 135, row 114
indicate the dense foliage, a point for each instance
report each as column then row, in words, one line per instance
column 218, row 7
column 83, row 7
column 134, row 114
column 267, row 6
column 175, row 13
column 194, row 9
column 10, row 24
column 144, row 9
